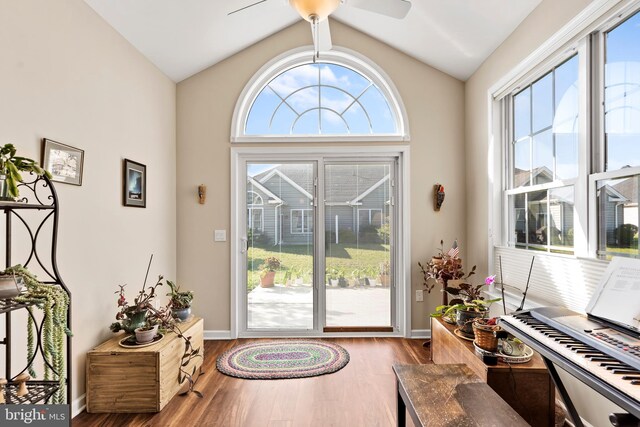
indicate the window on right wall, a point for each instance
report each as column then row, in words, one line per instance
column 572, row 148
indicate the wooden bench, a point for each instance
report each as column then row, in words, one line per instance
column 449, row 396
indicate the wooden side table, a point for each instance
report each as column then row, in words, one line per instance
column 527, row 387
column 123, row 380
column 449, row 396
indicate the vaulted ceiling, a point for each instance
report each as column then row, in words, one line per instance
column 183, row 37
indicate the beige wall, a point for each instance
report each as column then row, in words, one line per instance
column 67, row 75
column 540, row 25
column 434, row 102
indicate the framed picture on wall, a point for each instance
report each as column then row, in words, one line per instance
column 134, row 184
column 63, row 161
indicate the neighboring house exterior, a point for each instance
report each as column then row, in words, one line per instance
column 619, row 211
column 280, row 202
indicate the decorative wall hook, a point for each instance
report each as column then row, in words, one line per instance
column 202, row 193
column 438, row 197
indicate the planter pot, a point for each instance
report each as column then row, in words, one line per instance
column 464, row 320
column 181, row 314
column 4, row 188
column 334, row 282
column 10, row 286
column 144, row 335
column 372, row 282
column 342, row 282
column 268, row 279
column 134, row 321
column 385, row 280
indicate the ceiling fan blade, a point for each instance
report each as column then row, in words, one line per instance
column 324, row 36
column 246, row 7
column 394, row 8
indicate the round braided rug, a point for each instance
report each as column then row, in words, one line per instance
column 282, row 359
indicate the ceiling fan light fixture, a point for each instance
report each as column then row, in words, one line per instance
column 318, row 9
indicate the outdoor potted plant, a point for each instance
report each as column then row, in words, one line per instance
column 371, row 278
column 342, row 280
column 10, row 168
column 332, row 276
column 268, row 274
column 180, row 301
column 385, row 273
column 357, row 275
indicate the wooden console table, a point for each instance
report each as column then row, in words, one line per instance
column 123, row 380
column 527, row 387
column 449, row 396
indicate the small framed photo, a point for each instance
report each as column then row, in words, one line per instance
column 63, row 161
column 134, row 188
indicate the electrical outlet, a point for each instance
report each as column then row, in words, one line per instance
column 419, row 295
column 220, row 236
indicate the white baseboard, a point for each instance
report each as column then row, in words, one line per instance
column 78, row 405
column 421, row 333
column 217, row 335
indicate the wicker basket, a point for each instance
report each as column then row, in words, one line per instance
column 484, row 336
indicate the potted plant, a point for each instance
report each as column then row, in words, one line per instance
column 131, row 317
column 146, row 334
column 342, row 280
column 483, row 330
column 332, row 276
column 384, row 273
column 468, row 305
column 442, row 268
column 357, row 275
column 371, row 276
column 10, row 168
column 268, row 274
column 180, row 301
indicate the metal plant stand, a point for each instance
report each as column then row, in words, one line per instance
column 35, row 217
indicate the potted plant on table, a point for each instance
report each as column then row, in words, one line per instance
column 268, row 274
column 468, row 305
column 10, row 168
column 442, row 268
column 180, row 301
column 134, row 316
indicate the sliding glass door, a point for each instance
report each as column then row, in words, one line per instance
column 359, row 212
column 280, row 213
column 313, row 263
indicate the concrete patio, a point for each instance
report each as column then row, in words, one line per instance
column 291, row 307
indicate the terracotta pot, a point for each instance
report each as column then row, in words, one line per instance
column 385, row 280
column 268, row 279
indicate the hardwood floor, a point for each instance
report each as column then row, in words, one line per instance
column 361, row 394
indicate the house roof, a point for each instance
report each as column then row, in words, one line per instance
column 272, row 197
column 345, row 184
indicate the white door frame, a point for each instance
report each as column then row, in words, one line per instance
column 402, row 273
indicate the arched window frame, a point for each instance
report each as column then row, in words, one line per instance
column 339, row 56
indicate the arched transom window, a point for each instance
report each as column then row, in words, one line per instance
column 343, row 96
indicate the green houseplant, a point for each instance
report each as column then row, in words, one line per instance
column 54, row 302
column 180, row 301
column 10, row 168
column 268, row 274
column 468, row 306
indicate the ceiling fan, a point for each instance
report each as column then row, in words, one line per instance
column 317, row 12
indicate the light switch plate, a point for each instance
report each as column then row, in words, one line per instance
column 220, row 235
column 419, row 295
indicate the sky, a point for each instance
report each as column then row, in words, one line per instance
column 320, row 98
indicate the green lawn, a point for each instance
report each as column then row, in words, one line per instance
column 298, row 260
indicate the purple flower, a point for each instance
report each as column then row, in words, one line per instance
column 490, row 280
